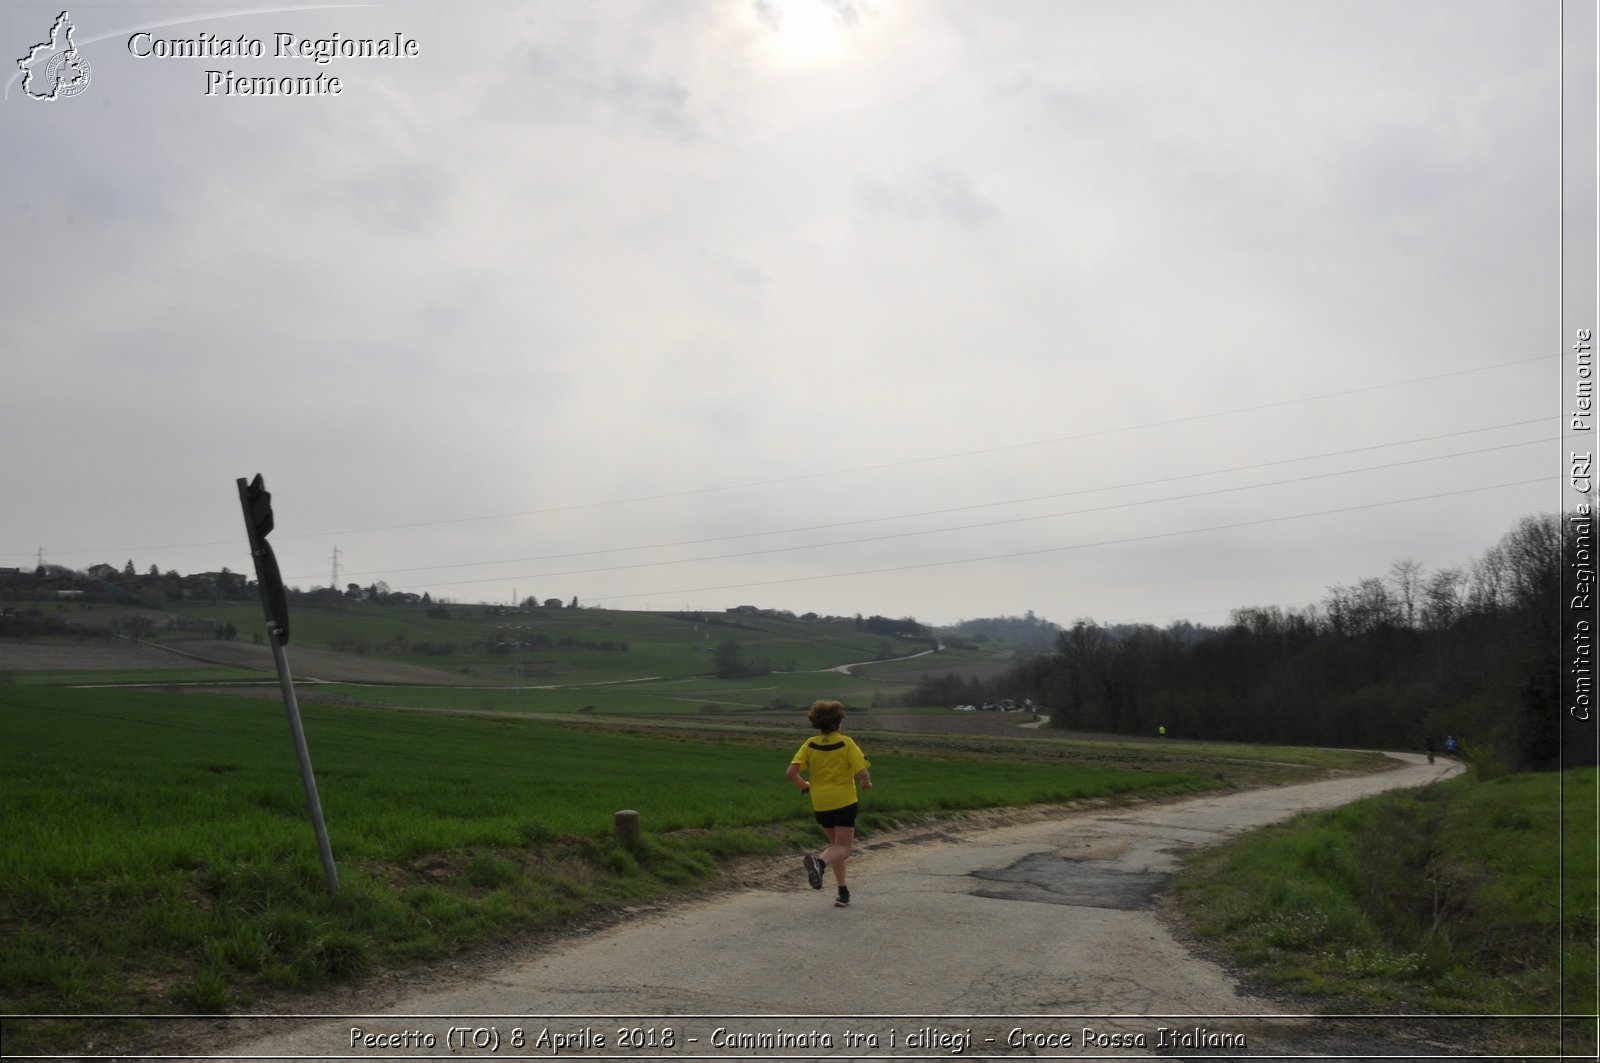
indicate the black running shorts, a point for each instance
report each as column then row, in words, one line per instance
column 840, row 817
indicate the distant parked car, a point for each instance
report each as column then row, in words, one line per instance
column 965, row 708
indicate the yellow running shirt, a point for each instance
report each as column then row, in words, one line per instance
column 830, row 762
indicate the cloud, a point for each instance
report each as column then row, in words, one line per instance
column 641, row 255
column 586, row 74
column 936, row 194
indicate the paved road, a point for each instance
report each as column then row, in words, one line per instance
column 844, row 669
column 949, row 934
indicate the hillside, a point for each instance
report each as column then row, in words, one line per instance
column 741, row 657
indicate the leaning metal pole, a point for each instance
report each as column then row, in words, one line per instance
column 307, row 778
column 257, row 505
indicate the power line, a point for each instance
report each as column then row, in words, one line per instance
column 1062, row 549
column 931, row 458
column 960, row 509
column 970, row 527
column 281, row 537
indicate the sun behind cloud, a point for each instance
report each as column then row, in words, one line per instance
column 800, row 34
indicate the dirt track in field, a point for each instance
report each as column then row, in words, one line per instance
column 116, row 655
column 324, row 665
column 309, row 665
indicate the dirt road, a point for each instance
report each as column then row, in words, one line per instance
column 1028, row 940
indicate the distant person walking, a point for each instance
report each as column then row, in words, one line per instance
column 1451, row 746
column 1427, row 744
column 832, row 765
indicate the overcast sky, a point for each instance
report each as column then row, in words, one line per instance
column 943, row 309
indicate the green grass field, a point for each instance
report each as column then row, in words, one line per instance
column 641, row 643
column 158, row 853
column 567, row 648
column 1463, row 898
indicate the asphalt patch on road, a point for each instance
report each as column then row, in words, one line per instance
column 1045, row 878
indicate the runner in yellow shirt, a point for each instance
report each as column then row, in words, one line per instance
column 832, row 765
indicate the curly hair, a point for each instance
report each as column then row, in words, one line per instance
column 825, row 715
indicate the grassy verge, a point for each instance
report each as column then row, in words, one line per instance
column 158, row 857
column 1467, row 898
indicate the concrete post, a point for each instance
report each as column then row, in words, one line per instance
column 626, row 826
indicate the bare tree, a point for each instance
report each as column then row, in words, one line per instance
column 1405, row 576
column 1443, row 598
column 1487, row 591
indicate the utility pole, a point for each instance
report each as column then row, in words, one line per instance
column 335, row 583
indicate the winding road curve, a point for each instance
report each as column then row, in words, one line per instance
column 844, row 669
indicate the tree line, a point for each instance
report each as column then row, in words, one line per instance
column 1384, row 662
